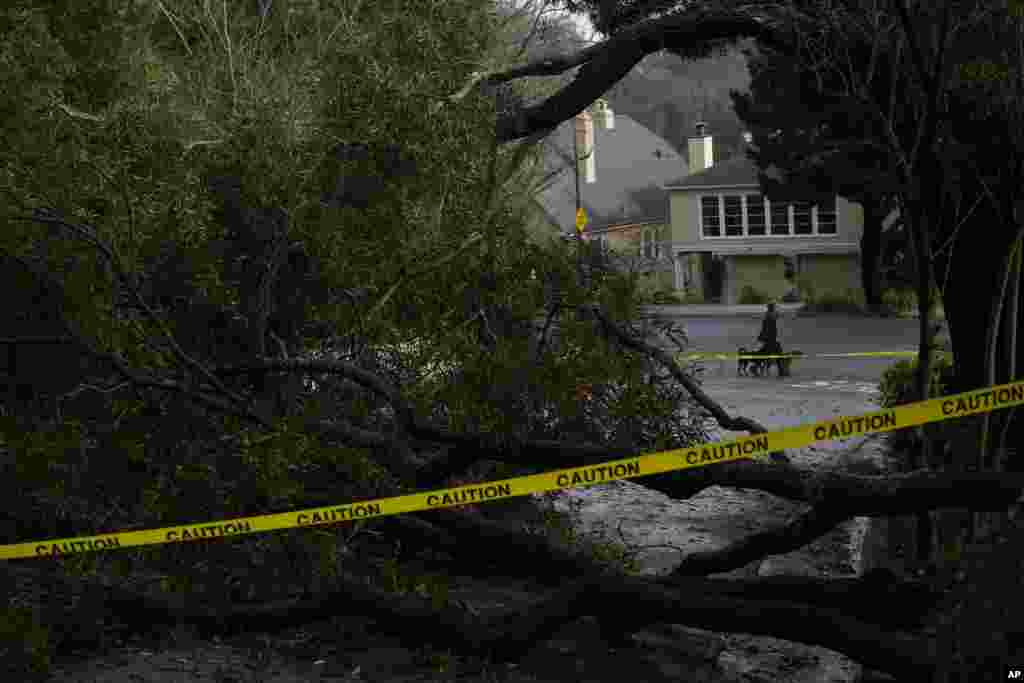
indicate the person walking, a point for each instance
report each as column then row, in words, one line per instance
column 769, row 338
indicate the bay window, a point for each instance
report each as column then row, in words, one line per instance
column 733, row 216
column 753, row 215
column 711, row 217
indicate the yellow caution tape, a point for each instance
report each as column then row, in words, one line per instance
column 933, row 410
column 698, row 355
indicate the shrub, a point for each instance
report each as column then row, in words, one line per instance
column 897, row 383
column 806, row 289
column 666, row 297
column 832, row 302
column 749, row 295
column 25, row 644
column 903, row 300
column 897, row 388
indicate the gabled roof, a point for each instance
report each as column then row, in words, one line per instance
column 737, row 171
column 631, row 164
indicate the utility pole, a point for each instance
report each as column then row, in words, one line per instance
column 580, row 216
column 576, row 173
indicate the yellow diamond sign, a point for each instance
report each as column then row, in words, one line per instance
column 581, row 219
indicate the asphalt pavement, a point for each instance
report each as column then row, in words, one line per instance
column 818, row 389
column 827, row 333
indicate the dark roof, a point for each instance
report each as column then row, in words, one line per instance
column 739, row 170
column 631, row 164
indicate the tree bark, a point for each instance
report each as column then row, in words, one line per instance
column 805, row 611
column 870, row 253
column 605, row 64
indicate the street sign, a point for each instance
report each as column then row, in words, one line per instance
column 581, row 220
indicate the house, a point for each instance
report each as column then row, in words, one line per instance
column 727, row 237
column 622, row 167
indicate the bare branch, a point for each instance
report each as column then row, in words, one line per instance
column 605, row 63
column 403, row 413
column 89, row 236
column 725, row 420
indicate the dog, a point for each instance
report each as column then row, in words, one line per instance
column 783, row 365
column 757, row 367
column 760, row 367
column 743, row 365
column 750, row 367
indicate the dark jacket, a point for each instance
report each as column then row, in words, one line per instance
column 769, row 330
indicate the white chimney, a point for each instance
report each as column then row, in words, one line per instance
column 700, row 149
column 585, row 147
column 607, row 115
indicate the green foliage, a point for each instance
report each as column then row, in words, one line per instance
column 806, row 288
column 903, row 301
column 205, row 158
column 25, row 648
column 667, row 298
column 898, row 381
column 898, row 387
column 832, row 302
column 749, row 295
column 691, row 298
column 658, row 296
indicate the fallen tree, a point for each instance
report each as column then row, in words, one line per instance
column 181, row 374
column 860, row 617
column 822, row 613
column 834, row 614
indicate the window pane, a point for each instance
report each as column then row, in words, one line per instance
column 733, row 216
column 780, row 218
column 802, row 218
column 827, row 217
column 711, row 217
column 755, row 214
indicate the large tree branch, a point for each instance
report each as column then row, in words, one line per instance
column 510, row 633
column 91, row 237
column 725, row 420
column 836, row 497
column 843, row 497
column 605, row 64
column 403, row 413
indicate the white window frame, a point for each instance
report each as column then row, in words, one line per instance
column 743, row 214
column 745, row 217
column 648, row 237
column 721, row 217
column 765, row 215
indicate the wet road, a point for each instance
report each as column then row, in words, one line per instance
column 819, row 334
column 818, row 389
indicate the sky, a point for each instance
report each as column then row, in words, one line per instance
column 583, row 24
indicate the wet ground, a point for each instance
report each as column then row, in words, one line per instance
column 818, row 334
column 818, row 389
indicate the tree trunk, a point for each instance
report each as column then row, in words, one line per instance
column 870, row 253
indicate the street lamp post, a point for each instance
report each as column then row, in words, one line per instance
column 580, row 220
column 576, row 174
